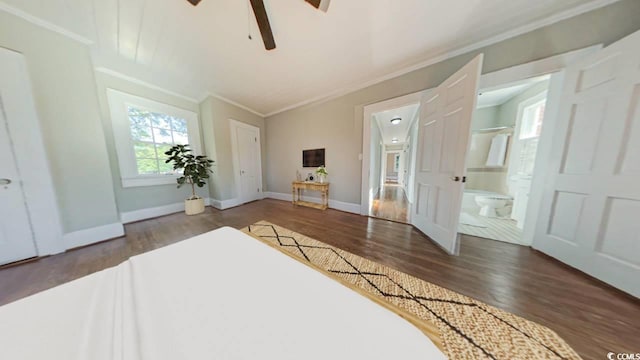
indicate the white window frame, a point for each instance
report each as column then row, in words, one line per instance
column 118, row 105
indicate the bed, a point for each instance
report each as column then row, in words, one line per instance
column 219, row 295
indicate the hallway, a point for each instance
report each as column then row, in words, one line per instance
column 391, row 203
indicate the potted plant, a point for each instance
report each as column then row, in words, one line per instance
column 322, row 174
column 195, row 171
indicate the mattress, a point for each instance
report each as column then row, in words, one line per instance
column 219, row 295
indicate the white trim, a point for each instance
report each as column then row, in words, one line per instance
column 149, row 180
column 333, row 204
column 136, row 81
column 43, row 23
column 549, row 20
column 225, row 204
column 233, row 127
column 234, row 103
column 152, row 212
column 368, row 112
column 35, row 173
column 92, row 235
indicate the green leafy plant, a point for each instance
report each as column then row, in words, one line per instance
column 322, row 171
column 195, row 168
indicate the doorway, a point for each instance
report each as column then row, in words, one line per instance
column 500, row 163
column 247, row 161
column 390, row 163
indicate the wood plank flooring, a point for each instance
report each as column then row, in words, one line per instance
column 391, row 203
column 592, row 317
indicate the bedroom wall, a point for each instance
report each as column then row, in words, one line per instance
column 337, row 124
column 63, row 84
column 485, row 118
column 142, row 197
column 214, row 116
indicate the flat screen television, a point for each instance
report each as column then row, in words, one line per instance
column 313, row 158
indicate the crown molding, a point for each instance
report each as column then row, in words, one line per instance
column 136, row 81
column 578, row 10
column 229, row 101
column 43, row 23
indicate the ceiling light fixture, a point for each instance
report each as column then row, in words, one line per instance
column 396, row 120
column 394, row 140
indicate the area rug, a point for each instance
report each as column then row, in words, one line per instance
column 468, row 328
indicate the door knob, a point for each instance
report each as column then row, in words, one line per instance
column 5, row 181
column 455, row 178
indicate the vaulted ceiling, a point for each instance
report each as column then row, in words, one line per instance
column 205, row 49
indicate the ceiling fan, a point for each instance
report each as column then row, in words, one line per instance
column 263, row 19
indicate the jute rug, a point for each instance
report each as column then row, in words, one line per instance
column 462, row 327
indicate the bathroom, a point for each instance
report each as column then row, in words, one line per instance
column 500, row 161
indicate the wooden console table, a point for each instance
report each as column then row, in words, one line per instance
column 298, row 186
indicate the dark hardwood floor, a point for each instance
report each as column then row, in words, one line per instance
column 591, row 316
column 391, row 203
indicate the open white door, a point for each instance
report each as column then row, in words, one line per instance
column 443, row 141
column 591, row 203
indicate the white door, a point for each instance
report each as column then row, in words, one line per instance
column 443, row 141
column 591, row 202
column 248, row 160
column 16, row 237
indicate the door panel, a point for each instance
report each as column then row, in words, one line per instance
column 444, row 128
column 591, row 202
column 16, row 237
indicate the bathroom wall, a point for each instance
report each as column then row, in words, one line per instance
column 480, row 177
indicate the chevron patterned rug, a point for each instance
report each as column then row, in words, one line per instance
column 466, row 328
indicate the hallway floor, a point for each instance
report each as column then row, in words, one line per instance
column 391, row 203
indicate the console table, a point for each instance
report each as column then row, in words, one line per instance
column 323, row 188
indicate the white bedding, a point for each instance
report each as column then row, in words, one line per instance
column 220, row 295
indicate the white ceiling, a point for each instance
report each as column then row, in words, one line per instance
column 198, row 50
column 499, row 96
column 399, row 131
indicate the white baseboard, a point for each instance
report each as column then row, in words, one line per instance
column 225, row 204
column 148, row 213
column 334, row 204
column 92, row 235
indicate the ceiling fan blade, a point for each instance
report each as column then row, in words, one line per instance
column 194, row 2
column 320, row 4
column 263, row 24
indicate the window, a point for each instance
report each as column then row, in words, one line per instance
column 530, row 124
column 532, row 117
column 143, row 130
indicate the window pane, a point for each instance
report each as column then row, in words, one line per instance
column 162, row 136
column 147, row 166
column 144, row 150
column 161, row 150
column 165, row 168
column 139, row 120
column 180, row 138
column 179, row 125
column 160, row 120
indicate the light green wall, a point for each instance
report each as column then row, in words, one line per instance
column 63, row 83
column 508, row 112
column 215, row 115
column 135, row 198
column 485, row 118
column 337, row 124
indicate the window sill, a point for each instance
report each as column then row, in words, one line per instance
column 149, row 181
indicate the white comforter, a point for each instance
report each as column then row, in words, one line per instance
column 220, row 295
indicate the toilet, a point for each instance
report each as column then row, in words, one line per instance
column 493, row 205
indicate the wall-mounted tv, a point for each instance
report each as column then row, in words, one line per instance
column 313, row 158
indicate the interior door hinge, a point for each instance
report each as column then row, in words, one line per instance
column 255, row 139
column 464, row 179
